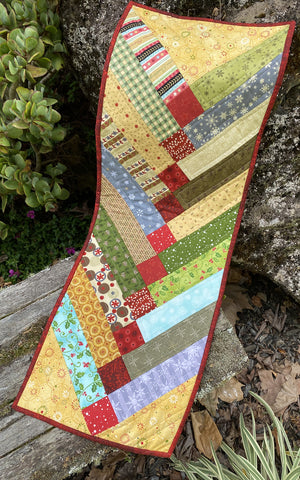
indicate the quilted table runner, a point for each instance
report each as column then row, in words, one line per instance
column 182, row 107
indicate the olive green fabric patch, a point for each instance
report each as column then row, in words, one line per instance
column 167, row 344
column 200, row 241
column 209, row 89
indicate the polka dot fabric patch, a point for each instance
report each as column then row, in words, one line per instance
column 183, row 103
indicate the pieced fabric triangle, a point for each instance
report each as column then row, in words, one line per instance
column 183, row 103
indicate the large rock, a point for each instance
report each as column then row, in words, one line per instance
column 267, row 241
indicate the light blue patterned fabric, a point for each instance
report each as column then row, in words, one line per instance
column 77, row 355
column 180, row 307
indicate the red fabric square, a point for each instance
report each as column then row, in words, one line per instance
column 161, row 239
column 114, row 375
column 140, row 303
column 169, row 207
column 100, row 416
column 173, row 177
column 128, row 338
column 178, row 145
column 185, row 107
column 152, row 270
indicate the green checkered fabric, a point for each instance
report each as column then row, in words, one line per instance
column 141, row 91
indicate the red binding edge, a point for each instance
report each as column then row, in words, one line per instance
column 284, row 60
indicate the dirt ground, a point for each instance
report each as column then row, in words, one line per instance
column 267, row 323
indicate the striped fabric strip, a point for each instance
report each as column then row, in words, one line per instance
column 162, row 71
column 121, row 149
column 141, row 91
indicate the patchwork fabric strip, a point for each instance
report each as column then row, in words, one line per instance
column 183, row 104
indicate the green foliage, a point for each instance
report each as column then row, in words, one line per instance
column 31, row 51
column 35, row 241
column 259, row 462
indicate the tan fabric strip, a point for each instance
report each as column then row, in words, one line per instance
column 209, row 208
column 127, row 225
column 224, row 144
column 193, row 191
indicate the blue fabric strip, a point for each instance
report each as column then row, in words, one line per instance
column 77, row 355
column 177, row 309
column 142, row 208
column 158, row 381
column 235, row 105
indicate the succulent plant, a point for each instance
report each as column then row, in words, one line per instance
column 31, row 50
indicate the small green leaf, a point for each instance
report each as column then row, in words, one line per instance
column 55, row 116
column 19, row 160
column 41, row 111
column 44, row 62
column 41, row 5
column 58, row 47
column 20, row 124
column 36, row 71
column 23, row 93
column 31, row 32
column 13, row 70
column 57, row 61
column 3, row 202
column 64, row 194
column 37, row 96
column 58, row 134
column 12, row 45
column 94, row 388
column 42, row 186
column 11, row 184
column 31, row 200
column 30, row 43
column 56, row 190
column 3, row 46
column 3, row 228
column 4, row 141
column 3, row 16
column 14, row 132
column 11, row 78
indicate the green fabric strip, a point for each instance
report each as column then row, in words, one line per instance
column 199, row 242
column 117, row 254
column 169, row 343
column 141, row 91
column 191, row 274
column 221, row 81
column 209, row 181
